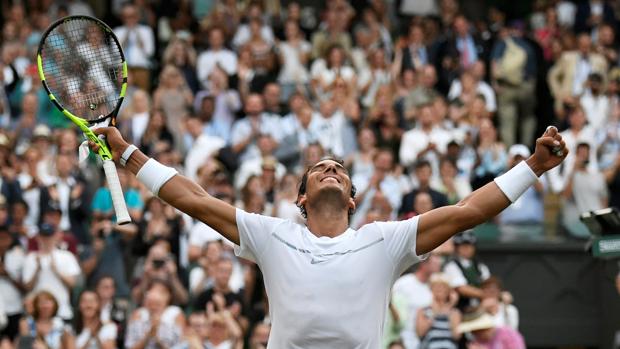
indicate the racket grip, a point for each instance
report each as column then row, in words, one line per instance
column 118, row 200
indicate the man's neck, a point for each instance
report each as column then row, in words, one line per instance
column 327, row 221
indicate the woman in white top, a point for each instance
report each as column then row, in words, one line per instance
column 92, row 333
column 44, row 329
column 157, row 323
column 325, row 71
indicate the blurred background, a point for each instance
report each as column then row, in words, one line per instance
column 425, row 100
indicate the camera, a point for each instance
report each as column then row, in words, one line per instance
column 158, row 263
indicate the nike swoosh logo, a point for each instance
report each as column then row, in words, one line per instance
column 317, row 261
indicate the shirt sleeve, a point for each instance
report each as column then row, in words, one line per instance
column 400, row 241
column 107, row 332
column 30, row 266
column 254, row 233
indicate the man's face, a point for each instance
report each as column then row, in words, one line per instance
column 423, row 174
column 64, row 165
column 106, row 289
column 272, row 95
column 130, row 16
column 223, row 272
column 254, row 105
column 216, row 38
column 383, row 162
column 422, row 203
column 328, row 176
column 198, row 323
column 583, row 44
column 466, row 251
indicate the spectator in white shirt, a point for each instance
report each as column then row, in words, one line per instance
column 216, row 55
column 243, row 33
column 585, row 190
column 413, row 288
column 245, row 131
column 578, row 131
column 52, row 269
column 595, row 102
column 428, row 140
column 138, row 43
column 202, row 148
column 381, row 179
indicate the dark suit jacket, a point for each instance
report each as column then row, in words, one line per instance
column 584, row 11
column 79, row 211
column 11, row 191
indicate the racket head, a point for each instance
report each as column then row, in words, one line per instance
column 83, row 69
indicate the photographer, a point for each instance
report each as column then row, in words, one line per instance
column 159, row 265
column 585, row 190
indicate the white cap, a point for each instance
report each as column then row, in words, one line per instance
column 519, row 149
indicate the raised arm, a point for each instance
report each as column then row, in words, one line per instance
column 438, row 225
column 179, row 191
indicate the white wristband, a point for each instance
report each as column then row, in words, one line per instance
column 516, row 181
column 127, row 153
column 154, row 175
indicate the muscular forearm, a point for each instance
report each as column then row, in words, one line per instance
column 190, row 198
column 470, row 291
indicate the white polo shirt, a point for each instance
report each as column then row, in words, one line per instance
column 327, row 292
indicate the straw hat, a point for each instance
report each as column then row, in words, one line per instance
column 476, row 321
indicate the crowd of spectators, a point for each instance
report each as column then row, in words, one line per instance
column 425, row 100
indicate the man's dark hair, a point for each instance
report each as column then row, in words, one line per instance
column 421, row 163
column 304, row 181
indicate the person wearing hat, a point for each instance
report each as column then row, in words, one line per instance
column 52, row 269
column 438, row 322
column 484, row 334
column 465, row 271
column 526, row 215
column 11, row 263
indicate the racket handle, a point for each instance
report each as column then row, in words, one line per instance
column 118, row 200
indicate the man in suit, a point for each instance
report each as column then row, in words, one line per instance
column 460, row 51
column 415, row 53
column 569, row 74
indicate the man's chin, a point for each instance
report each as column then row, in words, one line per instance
column 331, row 194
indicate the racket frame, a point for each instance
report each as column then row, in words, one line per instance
column 84, row 124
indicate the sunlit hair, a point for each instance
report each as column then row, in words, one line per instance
column 303, row 187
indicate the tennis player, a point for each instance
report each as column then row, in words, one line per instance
column 329, row 285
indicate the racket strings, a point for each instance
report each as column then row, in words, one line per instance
column 82, row 64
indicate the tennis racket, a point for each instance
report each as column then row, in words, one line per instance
column 83, row 69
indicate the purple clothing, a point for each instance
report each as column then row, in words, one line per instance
column 504, row 338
